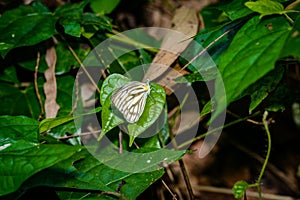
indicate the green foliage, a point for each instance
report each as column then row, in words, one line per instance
column 255, row 48
column 266, row 7
column 239, row 189
column 249, row 42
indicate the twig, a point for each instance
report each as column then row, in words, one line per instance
column 215, row 130
column 205, row 49
column 169, row 190
column 36, row 87
column 186, row 179
column 115, row 194
column 78, row 135
column 82, row 65
column 74, row 106
column 120, row 142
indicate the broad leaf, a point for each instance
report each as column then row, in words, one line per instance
column 25, row 26
column 252, row 53
column 18, row 165
column 18, row 102
column 85, row 172
column 17, row 132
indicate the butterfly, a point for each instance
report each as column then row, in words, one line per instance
column 130, row 99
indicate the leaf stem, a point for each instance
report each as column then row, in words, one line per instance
column 289, row 19
column 266, row 125
column 216, row 129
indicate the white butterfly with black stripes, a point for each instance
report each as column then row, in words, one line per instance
column 130, row 100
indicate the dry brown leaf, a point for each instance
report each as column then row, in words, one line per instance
column 50, row 87
column 186, row 21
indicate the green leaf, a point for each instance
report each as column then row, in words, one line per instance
column 266, row 7
column 26, row 57
column 252, row 54
column 153, row 108
column 65, row 59
column 71, row 27
column 216, row 49
column 207, row 74
column 144, row 159
column 50, row 123
column 104, row 6
column 18, row 102
column 263, row 87
column 208, row 107
column 109, row 119
column 25, row 26
column 239, row 189
column 76, row 22
column 83, row 171
column 235, row 9
column 70, row 9
column 282, row 96
column 111, row 84
column 17, row 166
column 292, row 40
column 17, row 132
column 9, row 74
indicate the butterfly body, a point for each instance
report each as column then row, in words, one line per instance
column 130, row 100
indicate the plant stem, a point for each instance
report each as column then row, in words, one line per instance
column 186, row 179
column 216, row 129
column 266, row 125
column 81, row 65
column 289, row 19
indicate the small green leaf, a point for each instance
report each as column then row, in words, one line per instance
column 266, row 7
column 239, row 189
column 50, row 123
column 208, row 107
column 71, row 27
column 104, row 6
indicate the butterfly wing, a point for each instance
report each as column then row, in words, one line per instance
column 130, row 100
